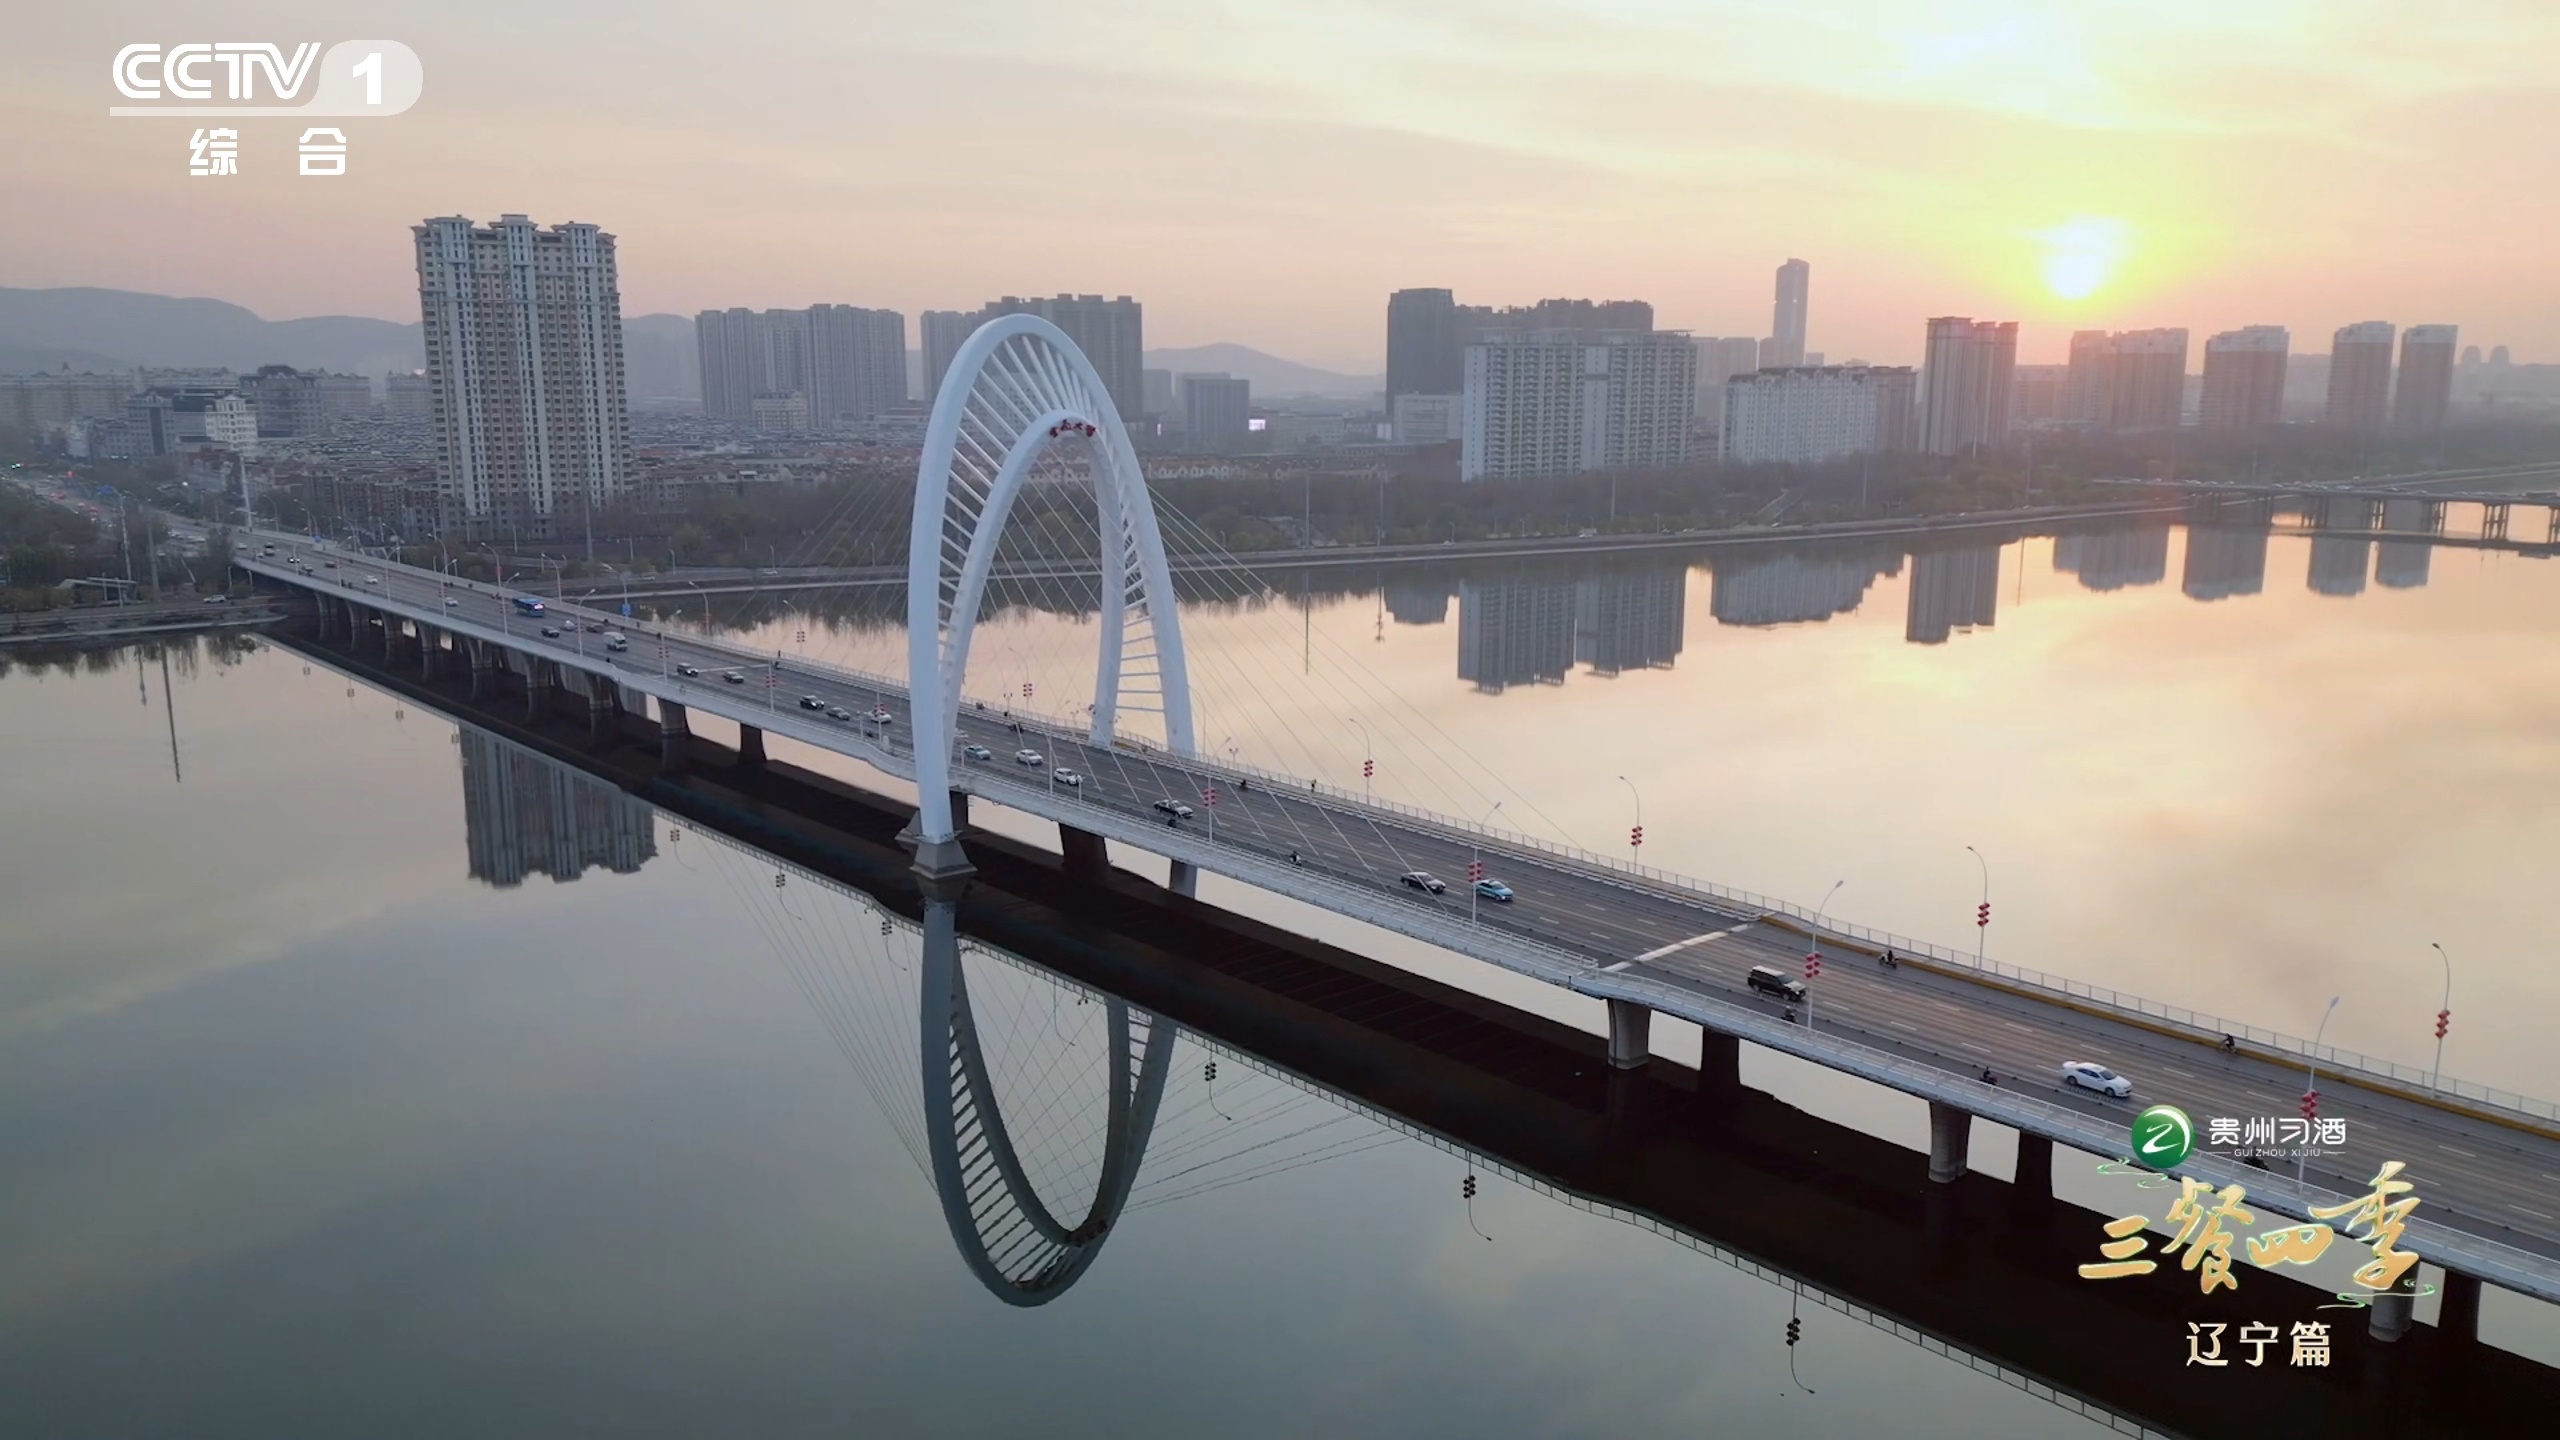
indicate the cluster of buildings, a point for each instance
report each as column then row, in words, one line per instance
column 148, row 413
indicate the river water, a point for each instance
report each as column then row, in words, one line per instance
column 329, row 1104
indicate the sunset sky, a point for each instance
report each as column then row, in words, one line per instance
column 1265, row 172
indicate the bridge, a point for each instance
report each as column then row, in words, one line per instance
column 1639, row 941
column 1061, row 1055
column 2411, row 507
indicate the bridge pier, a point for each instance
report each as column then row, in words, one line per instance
column 2493, row 521
column 1950, row 1138
column 1630, row 1035
column 537, row 687
column 1184, row 879
column 1084, row 852
column 674, row 733
column 2035, row 1167
column 2458, row 1312
column 429, row 642
column 1719, row 1063
column 2394, row 1309
column 320, row 617
column 750, row 747
column 484, row 667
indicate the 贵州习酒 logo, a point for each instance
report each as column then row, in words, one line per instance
column 2163, row 1137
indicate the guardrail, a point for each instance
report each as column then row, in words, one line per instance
column 2200, row 1024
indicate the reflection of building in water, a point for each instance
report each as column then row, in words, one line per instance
column 2225, row 562
column 2114, row 559
column 1421, row 598
column 1630, row 619
column 1777, row 589
column 1515, row 631
column 2339, row 563
column 2402, row 564
column 523, row 815
column 1952, row 590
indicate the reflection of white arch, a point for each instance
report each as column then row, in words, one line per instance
column 1006, row 1234
column 1018, row 386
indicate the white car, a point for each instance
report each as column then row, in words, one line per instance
column 2089, row 1076
column 1029, row 757
column 977, row 752
column 452, row 604
column 1065, row 776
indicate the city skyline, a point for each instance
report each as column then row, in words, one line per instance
column 2071, row 172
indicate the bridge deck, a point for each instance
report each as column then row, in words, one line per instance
column 1586, row 924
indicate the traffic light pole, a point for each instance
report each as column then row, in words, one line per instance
column 1981, row 916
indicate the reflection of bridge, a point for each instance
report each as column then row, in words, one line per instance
column 1639, row 940
column 1981, row 1272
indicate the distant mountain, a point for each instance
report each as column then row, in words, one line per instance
column 125, row 329
column 1271, row 375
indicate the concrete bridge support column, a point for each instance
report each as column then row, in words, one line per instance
column 2493, row 521
column 750, row 747
column 429, row 642
column 2458, row 1318
column 538, row 679
column 1719, row 1063
column 1083, row 851
column 484, row 667
column 320, row 616
column 1184, row 879
column 600, row 709
column 1630, row 1035
column 2394, row 1309
column 674, row 733
column 1950, row 1138
column 2035, row 1167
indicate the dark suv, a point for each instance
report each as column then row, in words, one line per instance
column 1771, row 981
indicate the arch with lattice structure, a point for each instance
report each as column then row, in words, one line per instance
column 1007, row 1234
column 1017, row 389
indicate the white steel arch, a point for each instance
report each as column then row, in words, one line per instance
column 1017, row 387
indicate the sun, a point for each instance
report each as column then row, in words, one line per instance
column 2082, row 254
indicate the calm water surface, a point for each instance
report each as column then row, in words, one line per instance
column 328, row 1104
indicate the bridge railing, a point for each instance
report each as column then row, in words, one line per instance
column 2203, row 1026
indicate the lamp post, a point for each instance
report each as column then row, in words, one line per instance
column 1368, row 757
column 1635, row 836
column 2311, row 1091
column 706, row 606
column 1981, row 917
column 2444, row 1019
column 1475, row 863
column 1813, row 955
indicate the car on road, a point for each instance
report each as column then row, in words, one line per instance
column 549, row 633
column 1424, row 881
column 977, row 752
column 2088, row 1075
column 568, row 624
column 373, row 579
column 838, row 712
column 689, row 672
column 1770, row 980
column 812, row 702
column 452, row 604
column 732, row 677
column 880, row 715
column 328, row 564
column 1065, row 776
column 1494, row 890
column 1174, row 808
column 217, row 599
column 1029, row 757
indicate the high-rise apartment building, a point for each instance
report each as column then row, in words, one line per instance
column 2424, row 389
column 2244, row 378
column 1217, row 412
column 939, row 333
column 2039, row 395
column 523, row 331
column 408, row 397
column 2127, row 380
column 2360, row 376
column 1720, row 359
column 61, row 398
column 848, row 364
column 1807, row 415
column 1544, row 402
column 1425, row 353
column 1965, row 377
column 1786, row 327
column 1583, row 319
column 304, row 402
column 1109, row 332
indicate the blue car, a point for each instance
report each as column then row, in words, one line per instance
column 1493, row 890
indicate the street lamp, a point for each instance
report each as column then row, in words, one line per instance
column 1813, row 956
column 1475, row 865
column 1368, row 757
column 1981, row 917
column 2311, row 1092
column 1635, row 837
column 706, row 606
column 2444, row 1019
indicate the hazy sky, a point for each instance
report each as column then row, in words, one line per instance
column 1265, row 171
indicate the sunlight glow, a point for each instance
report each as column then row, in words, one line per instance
column 2083, row 254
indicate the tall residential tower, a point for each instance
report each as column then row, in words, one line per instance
column 1785, row 345
column 1965, row 376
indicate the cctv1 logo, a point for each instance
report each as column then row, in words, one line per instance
column 2163, row 1136
column 260, row 77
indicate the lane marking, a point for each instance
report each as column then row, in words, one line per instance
column 2181, row 1074
column 1904, row 1025
column 2536, row 1214
column 2465, row 1154
column 1679, row 945
column 1614, row 969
